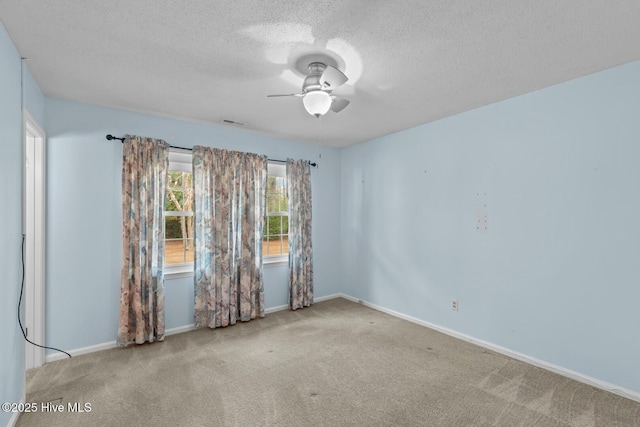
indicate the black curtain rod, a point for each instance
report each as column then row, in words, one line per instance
column 111, row 137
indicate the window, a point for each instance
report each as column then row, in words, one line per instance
column 179, row 220
column 275, row 245
column 178, row 215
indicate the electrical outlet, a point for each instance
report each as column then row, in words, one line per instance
column 454, row 305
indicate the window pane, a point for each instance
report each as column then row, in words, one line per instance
column 284, row 203
column 175, row 200
column 275, row 246
column 275, row 240
column 176, row 179
column 172, row 227
column 271, row 184
column 276, row 227
column 279, row 183
column 179, row 229
column 178, row 251
column 272, row 202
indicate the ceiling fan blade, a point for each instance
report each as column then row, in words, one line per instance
column 331, row 78
column 290, row 94
column 339, row 104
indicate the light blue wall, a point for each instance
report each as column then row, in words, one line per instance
column 179, row 295
column 11, row 341
column 555, row 274
column 84, row 220
column 32, row 96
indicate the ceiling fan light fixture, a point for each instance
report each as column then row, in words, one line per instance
column 317, row 102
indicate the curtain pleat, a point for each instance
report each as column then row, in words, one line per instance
column 300, row 248
column 229, row 209
column 145, row 165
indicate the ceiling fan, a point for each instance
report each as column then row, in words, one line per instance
column 316, row 90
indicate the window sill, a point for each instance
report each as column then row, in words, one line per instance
column 275, row 261
column 182, row 271
column 178, row 271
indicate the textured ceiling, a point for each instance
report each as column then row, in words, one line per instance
column 409, row 62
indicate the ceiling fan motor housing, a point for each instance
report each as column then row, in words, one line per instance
column 312, row 81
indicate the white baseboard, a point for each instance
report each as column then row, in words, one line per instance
column 180, row 329
column 315, row 299
column 110, row 344
column 327, row 297
column 276, row 308
column 350, row 298
column 612, row 388
column 83, row 350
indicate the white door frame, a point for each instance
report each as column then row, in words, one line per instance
column 34, row 205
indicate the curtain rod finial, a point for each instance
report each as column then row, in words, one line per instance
column 110, row 137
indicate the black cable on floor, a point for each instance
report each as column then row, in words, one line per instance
column 20, row 302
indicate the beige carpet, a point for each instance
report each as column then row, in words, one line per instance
column 335, row 363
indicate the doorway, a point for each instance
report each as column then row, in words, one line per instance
column 34, row 239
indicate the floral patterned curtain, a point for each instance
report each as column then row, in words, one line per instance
column 229, row 209
column 300, row 250
column 145, row 163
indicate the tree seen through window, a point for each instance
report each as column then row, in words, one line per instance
column 276, row 230
column 179, row 218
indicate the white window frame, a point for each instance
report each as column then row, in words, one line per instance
column 278, row 169
column 179, row 161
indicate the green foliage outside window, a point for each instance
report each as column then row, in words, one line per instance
column 277, row 203
column 179, row 199
column 276, row 226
